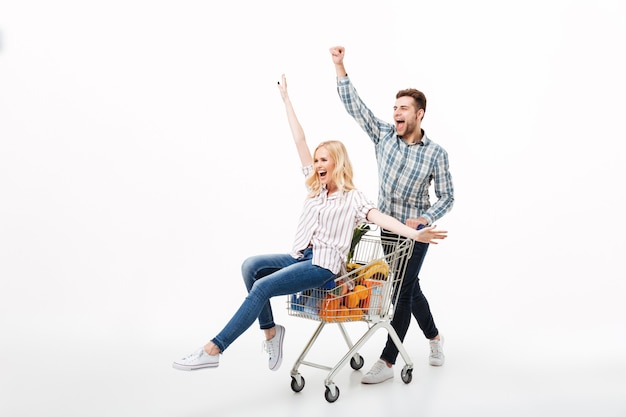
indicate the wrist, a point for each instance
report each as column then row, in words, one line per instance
column 341, row 71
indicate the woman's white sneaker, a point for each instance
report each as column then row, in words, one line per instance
column 197, row 360
column 274, row 348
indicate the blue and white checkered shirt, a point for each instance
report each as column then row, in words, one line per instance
column 405, row 171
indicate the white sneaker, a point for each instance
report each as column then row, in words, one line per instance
column 274, row 348
column 436, row 358
column 197, row 360
column 380, row 372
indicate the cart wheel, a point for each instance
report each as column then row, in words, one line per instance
column 329, row 394
column 407, row 375
column 357, row 362
column 297, row 383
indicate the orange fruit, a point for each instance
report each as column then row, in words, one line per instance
column 369, row 284
column 342, row 313
column 355, row 314
column 361, row 291
column 352, row 300
column 330, row 306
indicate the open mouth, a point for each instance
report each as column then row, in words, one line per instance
column 322, row 174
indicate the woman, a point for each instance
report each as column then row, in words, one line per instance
column 331, row 211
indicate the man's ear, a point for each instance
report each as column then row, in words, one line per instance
column 420, row 114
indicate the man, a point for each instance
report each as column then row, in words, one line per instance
column 408, row 162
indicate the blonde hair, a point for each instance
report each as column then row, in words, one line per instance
column 342, row 174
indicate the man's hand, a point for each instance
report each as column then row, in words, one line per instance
column 337, row 53
column 414, row 223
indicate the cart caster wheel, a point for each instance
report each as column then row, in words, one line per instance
column 330, row 397
column 297, row 383
column 357, row 362
column 407, row 375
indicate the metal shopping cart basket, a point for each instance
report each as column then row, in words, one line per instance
column 366, row 293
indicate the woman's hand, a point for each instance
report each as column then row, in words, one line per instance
column 282, row 87
column 429, row 235
column 296, row 129
column 426, row 235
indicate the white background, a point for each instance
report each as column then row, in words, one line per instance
column 144, row 153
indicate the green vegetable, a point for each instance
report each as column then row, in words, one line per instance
column 358, row 233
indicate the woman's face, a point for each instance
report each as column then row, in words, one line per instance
column 324, row 165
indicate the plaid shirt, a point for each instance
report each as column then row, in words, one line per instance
column 405, row 171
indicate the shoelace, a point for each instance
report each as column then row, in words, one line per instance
column 378, row 366
column 434, row 348
column 194, row 355
column 268, row 347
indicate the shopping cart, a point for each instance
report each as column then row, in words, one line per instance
column 367, row 292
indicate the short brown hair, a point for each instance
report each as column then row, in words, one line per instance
column 418, row 96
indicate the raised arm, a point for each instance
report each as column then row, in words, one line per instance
column 338, row 52
column 426, row 235
column 296, row 129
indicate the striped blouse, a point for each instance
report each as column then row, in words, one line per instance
column 327, row 224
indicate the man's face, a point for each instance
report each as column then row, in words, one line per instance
column 406, row 116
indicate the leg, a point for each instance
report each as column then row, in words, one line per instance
column 403, row 308
column 298, row 276
column 257, row 267
column 421, row 312
column 253, row 269
column 382, row 369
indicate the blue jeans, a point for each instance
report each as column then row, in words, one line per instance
column 267, row 276
column 411, row 300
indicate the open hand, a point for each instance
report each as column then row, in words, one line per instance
column 429, row 235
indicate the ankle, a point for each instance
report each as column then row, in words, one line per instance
column 211, row 349
column 270, row 333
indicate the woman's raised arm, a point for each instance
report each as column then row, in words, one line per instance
column 296, row 129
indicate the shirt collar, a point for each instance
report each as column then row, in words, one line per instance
column 324, row 193
column 424, row 142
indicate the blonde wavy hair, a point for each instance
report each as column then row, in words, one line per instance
column 342, row 174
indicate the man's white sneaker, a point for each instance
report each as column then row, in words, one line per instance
column 274, row 348
column 380, row 372
column 436, row 358
column 197, row 360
